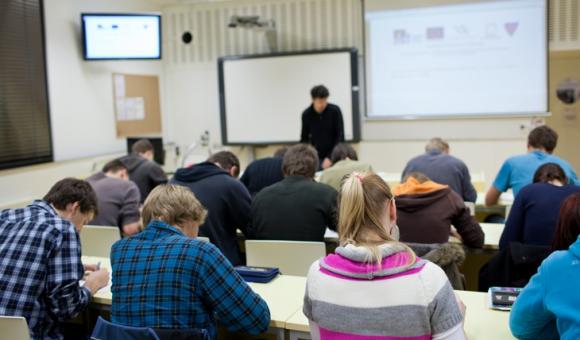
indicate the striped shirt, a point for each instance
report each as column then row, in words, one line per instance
column 347, row 298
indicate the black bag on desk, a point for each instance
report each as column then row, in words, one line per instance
column 512, row 267
column 257, row 274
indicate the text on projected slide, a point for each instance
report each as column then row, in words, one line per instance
column 484, row 58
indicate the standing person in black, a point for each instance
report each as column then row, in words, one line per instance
column 322, row 125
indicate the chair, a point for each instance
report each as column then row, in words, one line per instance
column 14, row 328
column 97, row 240
column 105, row 330
column 513, row 266
column 291, row 257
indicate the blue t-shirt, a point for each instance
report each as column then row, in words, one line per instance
column 518, row 171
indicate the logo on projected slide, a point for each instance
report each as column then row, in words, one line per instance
column 511, row 27
column 435, row 33
column 401, row 37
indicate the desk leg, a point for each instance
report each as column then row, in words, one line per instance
column 294, row 335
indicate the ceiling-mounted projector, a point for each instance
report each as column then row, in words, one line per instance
column 250, row 21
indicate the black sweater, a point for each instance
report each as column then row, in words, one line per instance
column 295, row 209
column 227, row 201
column 262, row 173
column 323, row 130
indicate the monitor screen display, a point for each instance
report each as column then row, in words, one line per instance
column 121, row 36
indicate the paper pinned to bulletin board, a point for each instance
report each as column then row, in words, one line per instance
column 137, row 105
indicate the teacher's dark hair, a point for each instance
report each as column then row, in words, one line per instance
column 319, row 91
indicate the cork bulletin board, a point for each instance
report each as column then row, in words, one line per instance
column 137, row 105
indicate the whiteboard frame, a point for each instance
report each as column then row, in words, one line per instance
column 355, row 92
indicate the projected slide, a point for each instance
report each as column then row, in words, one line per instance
column 472, row 59
column 121, row 37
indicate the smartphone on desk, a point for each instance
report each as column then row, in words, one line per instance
column 502, row 298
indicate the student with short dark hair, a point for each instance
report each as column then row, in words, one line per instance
column 533, row 215
column 547, row 308
column 443, row 168
column 264, row 172
column 118, row 198
column 373, row 286
column 143, row 171
column 167, row 279
column 297, row 208
column 518, row 171
column 227, row 161
column 322, row 124
column 227, row 200
column 344, row 160
column 426, row 210
column 41, row 259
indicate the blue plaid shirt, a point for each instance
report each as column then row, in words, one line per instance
column 40, row 269
column 163, row 279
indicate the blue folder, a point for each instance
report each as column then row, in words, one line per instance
column 257, row 274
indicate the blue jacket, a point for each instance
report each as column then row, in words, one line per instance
column 548, row 307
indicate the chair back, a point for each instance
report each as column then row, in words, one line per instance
column 512, row 266
column 291, row 257
column 14, row 328
column 182, row 334
column 105, row 330
column 97, row 241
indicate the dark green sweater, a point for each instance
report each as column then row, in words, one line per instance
column 295, row 209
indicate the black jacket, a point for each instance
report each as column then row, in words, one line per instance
column 295, row 209
column 145, row 173
column 323, row 130
column 227, row 201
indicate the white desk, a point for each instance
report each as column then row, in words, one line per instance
column 284, row 296
column 480, row 321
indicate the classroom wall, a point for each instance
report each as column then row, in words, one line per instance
column 191, row 91
column 81, row 92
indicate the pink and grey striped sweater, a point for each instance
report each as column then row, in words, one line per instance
column 346, row 298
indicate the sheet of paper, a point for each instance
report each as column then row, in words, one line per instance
column 119, row 81
column 130, row 108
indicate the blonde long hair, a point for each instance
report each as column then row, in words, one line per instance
column 362, row 200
